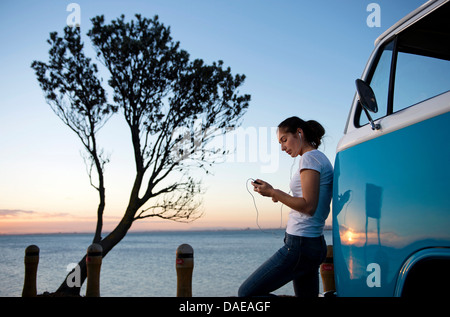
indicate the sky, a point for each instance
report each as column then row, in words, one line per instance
column 300, row 58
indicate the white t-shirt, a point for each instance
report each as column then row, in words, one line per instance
column 300, row 224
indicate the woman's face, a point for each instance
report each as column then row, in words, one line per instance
column 290, row 142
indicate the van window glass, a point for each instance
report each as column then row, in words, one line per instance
column 380, row 83
column 419, row 78
column 419, row 65
column 423, row 60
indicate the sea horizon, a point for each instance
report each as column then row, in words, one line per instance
column 199, row 229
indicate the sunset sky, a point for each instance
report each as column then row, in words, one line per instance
column 300, row 58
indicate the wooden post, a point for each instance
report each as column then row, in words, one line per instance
column 31, row 264
column 184, row 264
column 327, row 272
column 93, row 264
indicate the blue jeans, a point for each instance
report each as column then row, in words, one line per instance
column 298, row 261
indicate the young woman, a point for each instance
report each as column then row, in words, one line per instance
column 304, row 245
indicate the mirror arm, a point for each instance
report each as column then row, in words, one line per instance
column 375, row 126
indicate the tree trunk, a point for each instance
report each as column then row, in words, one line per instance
column 107, row 244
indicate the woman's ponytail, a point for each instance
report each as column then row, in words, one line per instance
column 315, row 133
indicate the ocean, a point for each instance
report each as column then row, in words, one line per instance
column 143, row 264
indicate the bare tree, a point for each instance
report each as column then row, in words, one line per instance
column 172, row 105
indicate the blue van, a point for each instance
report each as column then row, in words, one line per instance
column 391, row 195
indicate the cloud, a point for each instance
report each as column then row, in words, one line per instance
column 14, row 212
column 33, row 215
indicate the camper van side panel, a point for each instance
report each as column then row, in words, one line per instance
column 391, row 197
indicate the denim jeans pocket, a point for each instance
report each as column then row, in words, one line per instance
column 311, row 254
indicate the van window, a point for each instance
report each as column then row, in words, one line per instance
column 418, row 78
column 380, row 83
column 380, row 80
column 414, row 66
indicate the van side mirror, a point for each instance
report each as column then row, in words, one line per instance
column 367, row 101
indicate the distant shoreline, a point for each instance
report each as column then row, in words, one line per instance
column 213, row 229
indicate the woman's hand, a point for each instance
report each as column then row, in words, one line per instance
column 310, row 180
column 263, row 188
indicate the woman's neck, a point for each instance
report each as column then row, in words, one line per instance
column 308, row 147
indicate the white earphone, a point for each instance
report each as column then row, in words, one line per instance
column 301, row 141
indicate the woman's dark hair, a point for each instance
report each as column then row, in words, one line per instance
column 313, row 130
